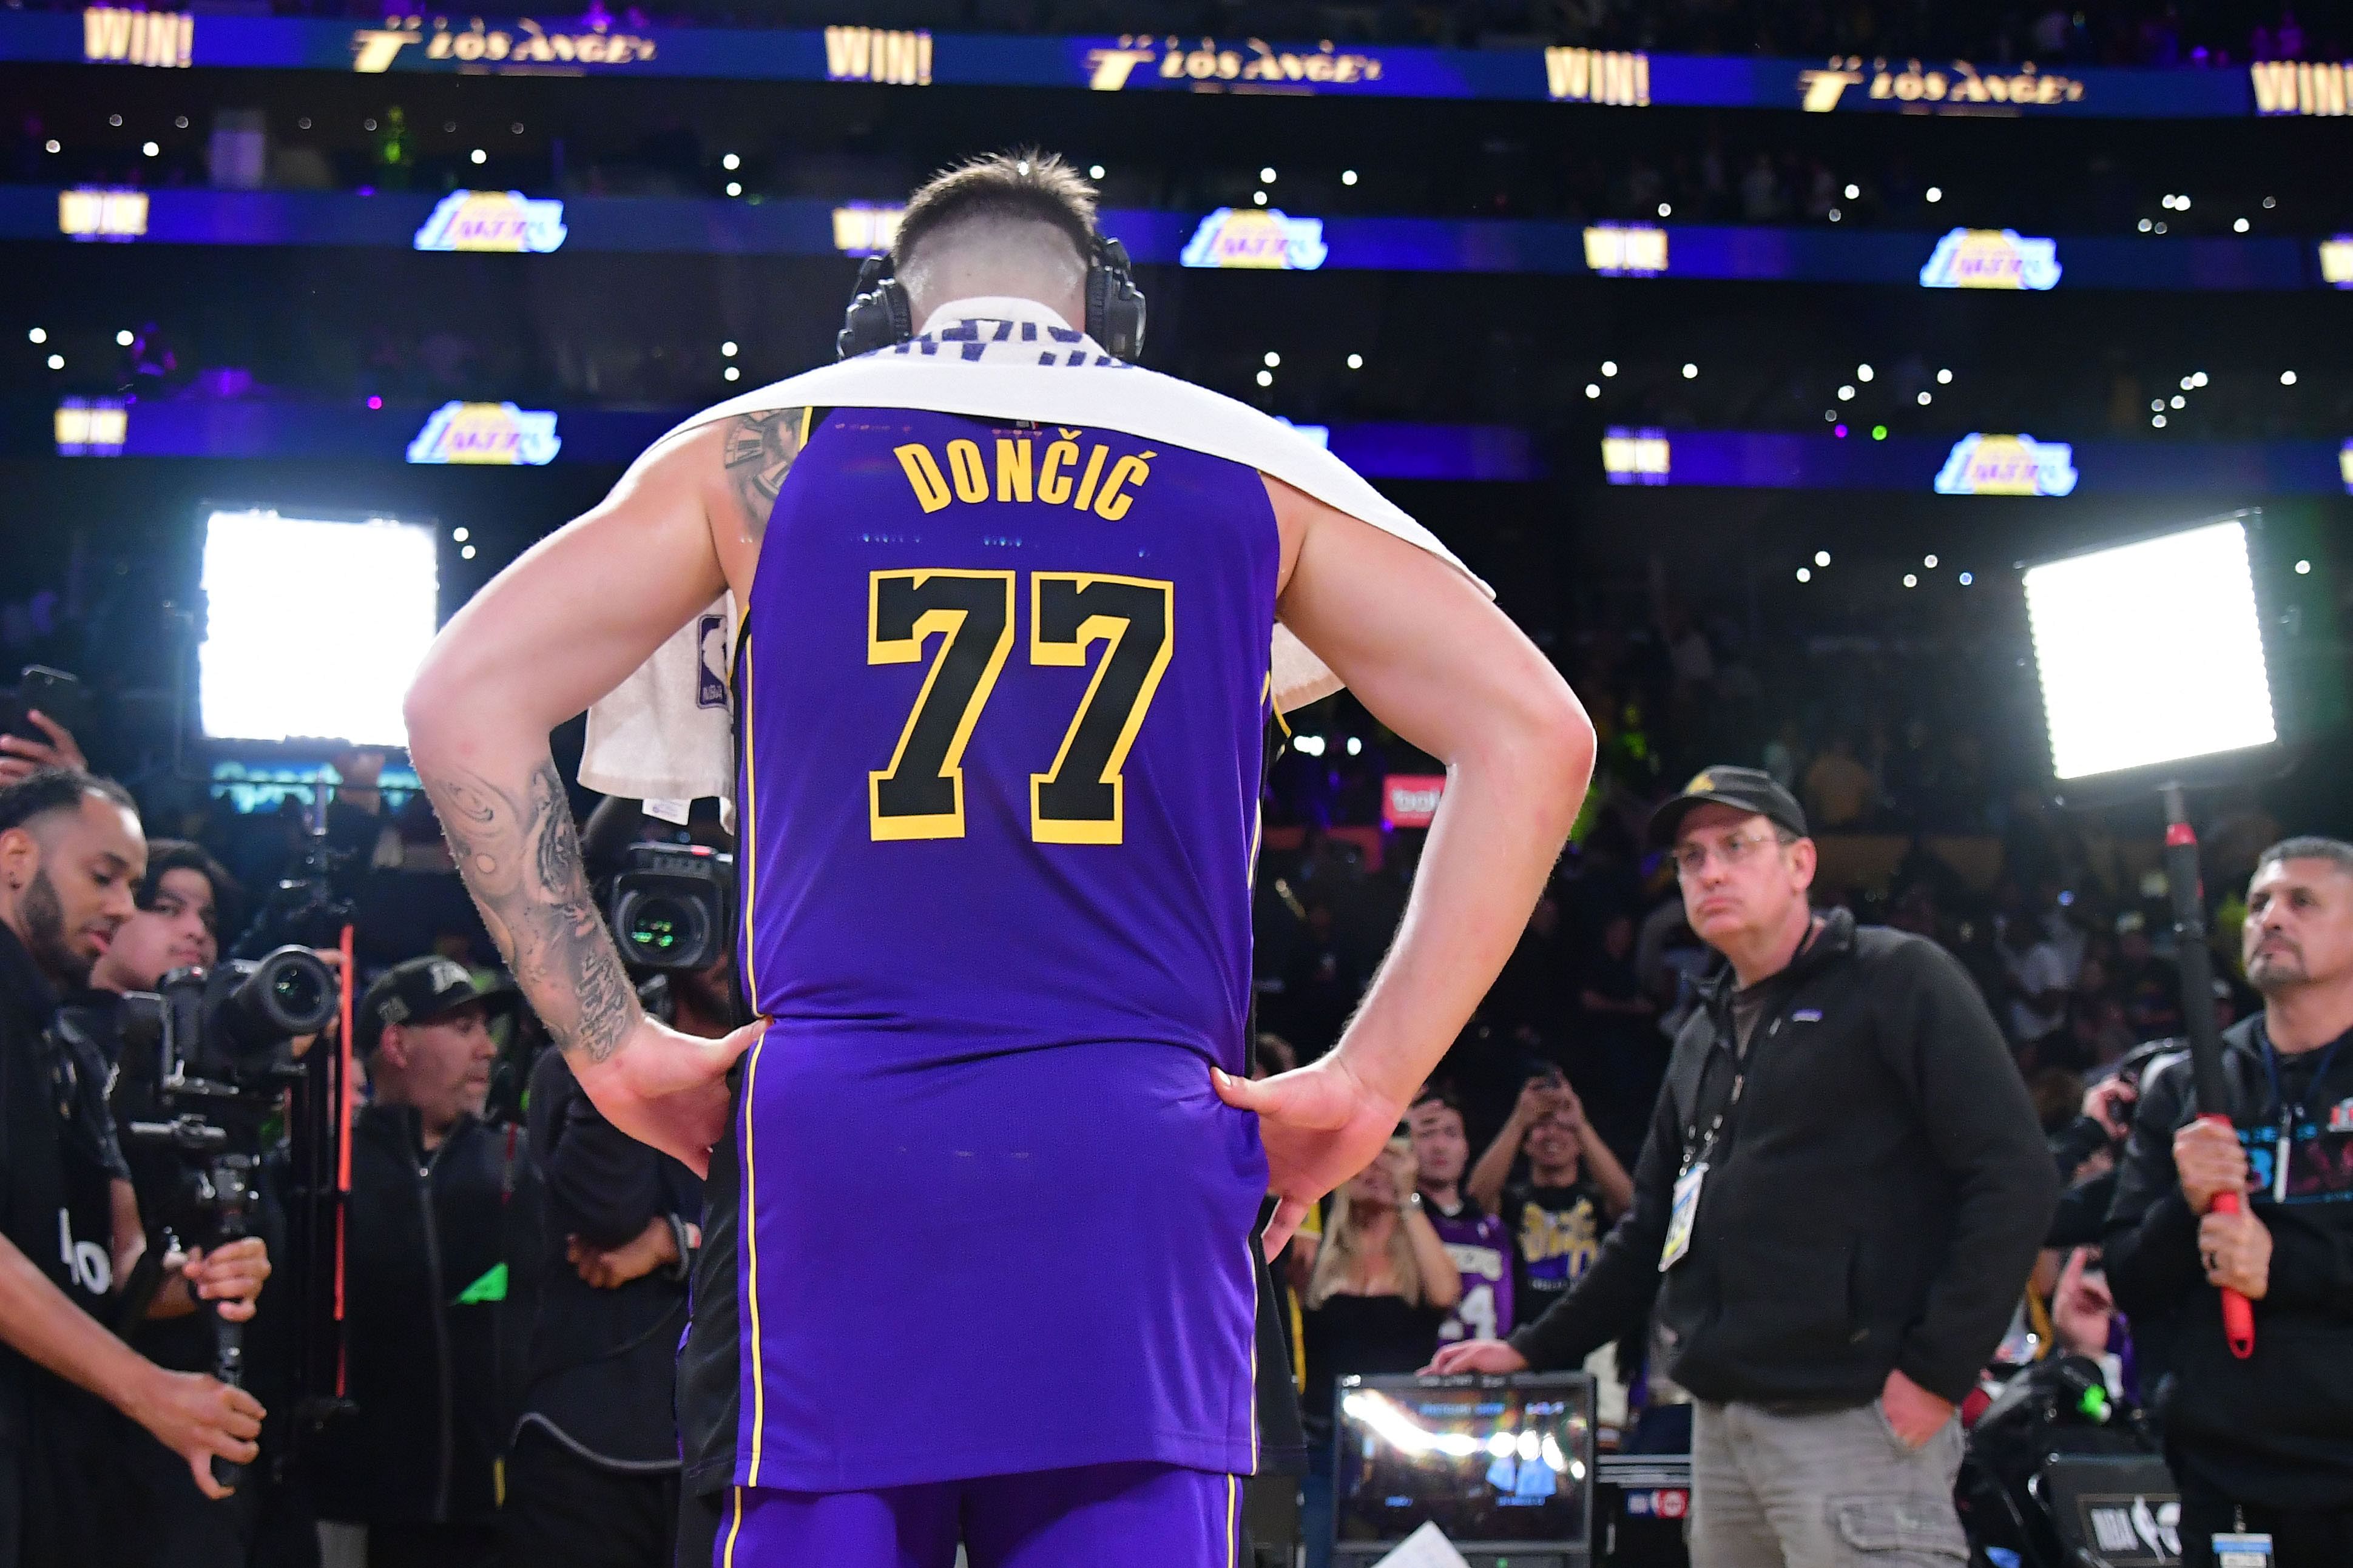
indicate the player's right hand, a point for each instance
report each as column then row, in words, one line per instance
column 1321, row 1124
column 668, row 1089
column 198, row 1416
column 1474, row 1355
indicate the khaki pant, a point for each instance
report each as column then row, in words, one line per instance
column 1832, row 1489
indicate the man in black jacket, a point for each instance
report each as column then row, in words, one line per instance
column 1841, row 1195
column 2264, row 1446
column 417, row 1463
column 594, row 1477
column 71, row 851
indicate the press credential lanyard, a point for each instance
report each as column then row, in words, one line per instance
column 1684, row 1209
column 2289, row 1115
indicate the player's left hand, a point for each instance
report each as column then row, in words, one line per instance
column 231, row 1276
column 1321, row 1123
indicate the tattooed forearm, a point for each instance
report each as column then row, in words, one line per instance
column 520, row 860
column 759, row 448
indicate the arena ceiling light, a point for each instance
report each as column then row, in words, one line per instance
column 312, row 626
column 2108, row 710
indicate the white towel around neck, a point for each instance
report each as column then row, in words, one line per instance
column 663, row 735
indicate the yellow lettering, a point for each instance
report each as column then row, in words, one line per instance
column 848, row 51
column 971, row 478
column 1567, row 72
column 1095, row 472
column 1053, row 485
column 1012, row 470
column 1113, row 504
column 1617, row 78
column 924, row 474
column 2274, row 87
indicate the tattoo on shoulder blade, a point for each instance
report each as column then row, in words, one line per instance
column 759, row 449
column 519, row 857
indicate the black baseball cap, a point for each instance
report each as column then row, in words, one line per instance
column 419, row 991
column 1743, row 789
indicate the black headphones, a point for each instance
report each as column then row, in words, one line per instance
column 878, row 315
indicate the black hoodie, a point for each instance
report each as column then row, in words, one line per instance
column 1872, row 1201
column 424, row 1283
column 2276, row 1429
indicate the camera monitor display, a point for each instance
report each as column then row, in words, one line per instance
column 312, row 626
column 1502, row 1465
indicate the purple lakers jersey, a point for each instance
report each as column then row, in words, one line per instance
column 1481, row 1246
column 1000, row 694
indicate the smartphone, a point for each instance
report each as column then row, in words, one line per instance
column 56, row 696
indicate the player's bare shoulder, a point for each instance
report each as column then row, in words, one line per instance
column 743, row 461
column 757, row 450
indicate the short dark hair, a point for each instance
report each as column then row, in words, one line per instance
column 2308, row 848
column 1432, row 1095
column 167, row 855
column 56, row 789
column 1025, row 183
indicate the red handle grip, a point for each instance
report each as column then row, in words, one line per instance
column 2238, row 1312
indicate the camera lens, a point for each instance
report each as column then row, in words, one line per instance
column 288, row 993
column 296, row 993
column 660, row 926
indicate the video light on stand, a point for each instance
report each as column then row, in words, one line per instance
column 313, row 626
column 2151, row 660
column 2151, row 653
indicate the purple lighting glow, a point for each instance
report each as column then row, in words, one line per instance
column 375, row 402
column 1839, row 431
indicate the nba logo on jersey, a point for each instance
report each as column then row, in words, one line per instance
column 711, row 663
column 2340, row 1116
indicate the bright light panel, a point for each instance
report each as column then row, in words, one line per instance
column 313, row 628
column 2096, row 619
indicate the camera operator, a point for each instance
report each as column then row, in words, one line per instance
column 417, row 1463
column 70, row 852
column 175, row 924
column 594, row 1480
column 2263, row 1446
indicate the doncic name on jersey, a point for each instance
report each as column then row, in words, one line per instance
column 1063, row 475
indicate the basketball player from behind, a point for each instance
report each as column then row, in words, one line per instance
column 990, row 1164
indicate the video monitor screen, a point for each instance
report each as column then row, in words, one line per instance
column 1495, row 1462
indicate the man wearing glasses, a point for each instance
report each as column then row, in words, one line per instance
column 1839, row 1200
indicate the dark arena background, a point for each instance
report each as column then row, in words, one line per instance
column 1757, row 355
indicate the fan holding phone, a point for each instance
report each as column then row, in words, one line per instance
column 38, row 724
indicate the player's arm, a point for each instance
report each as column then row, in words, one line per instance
column 557, row 630
column 1432, row 658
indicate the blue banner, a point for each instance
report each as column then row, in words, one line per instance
column 1143, row 63
column 1245, row 238
column 1981, row 463
column 1977, row 464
